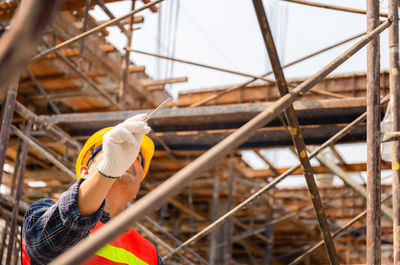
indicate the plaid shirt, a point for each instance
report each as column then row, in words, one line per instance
column 50, row 228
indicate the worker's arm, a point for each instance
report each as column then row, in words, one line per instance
column 121, row 146
column 51, row 227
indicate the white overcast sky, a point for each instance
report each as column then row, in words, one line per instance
column 225, row 33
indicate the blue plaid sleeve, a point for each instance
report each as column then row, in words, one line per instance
column 50, row 228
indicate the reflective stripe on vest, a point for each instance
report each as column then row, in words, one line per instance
column 129, row 248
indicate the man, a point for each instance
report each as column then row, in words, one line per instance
column 109, row 168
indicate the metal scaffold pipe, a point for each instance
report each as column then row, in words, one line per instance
column 295, row 132
column 394, row 84
column 373, row 239
column 174, row 184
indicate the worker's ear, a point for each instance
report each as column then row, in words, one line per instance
column 84, row 171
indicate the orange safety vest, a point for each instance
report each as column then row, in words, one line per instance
column 129, row 248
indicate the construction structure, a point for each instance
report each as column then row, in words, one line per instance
column 202, row 203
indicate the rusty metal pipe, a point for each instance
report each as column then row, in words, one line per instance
column 373, row 237
column 395, row 117
column 295, row 132
column 174, row 184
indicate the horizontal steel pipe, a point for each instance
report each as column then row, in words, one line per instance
column 84, row 249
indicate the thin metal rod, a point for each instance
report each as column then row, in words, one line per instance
column 272, row 184
column 295, row 132
column 93, row 30
column 58, row 135
column 6, row 119
column 43, row 91
column 204, row 66
column 155, row 111
column 49, row 156
column 234, row 88
column 313, row 247
column 155, row 224
column 373, row 239
column 87, row 78
column 334, row 7
column 123, row 85
column 394, row 85
column 174, row 184
column 20, row 182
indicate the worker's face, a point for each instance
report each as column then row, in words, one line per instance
column 129, row 183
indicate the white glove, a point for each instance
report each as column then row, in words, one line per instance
column 121, row 145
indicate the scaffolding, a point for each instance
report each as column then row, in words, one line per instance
column 75, row 49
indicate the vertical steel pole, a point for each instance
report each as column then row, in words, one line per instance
column 8, row 110
column 373, row 130
column 395, row 117
column 20, row 182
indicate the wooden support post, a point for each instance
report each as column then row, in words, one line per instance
column 373, row 248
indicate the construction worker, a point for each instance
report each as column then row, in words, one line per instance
column 109, row 169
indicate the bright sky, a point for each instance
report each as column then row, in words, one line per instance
column 225, row 33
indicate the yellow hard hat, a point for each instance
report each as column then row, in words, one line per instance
column 94, row 143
